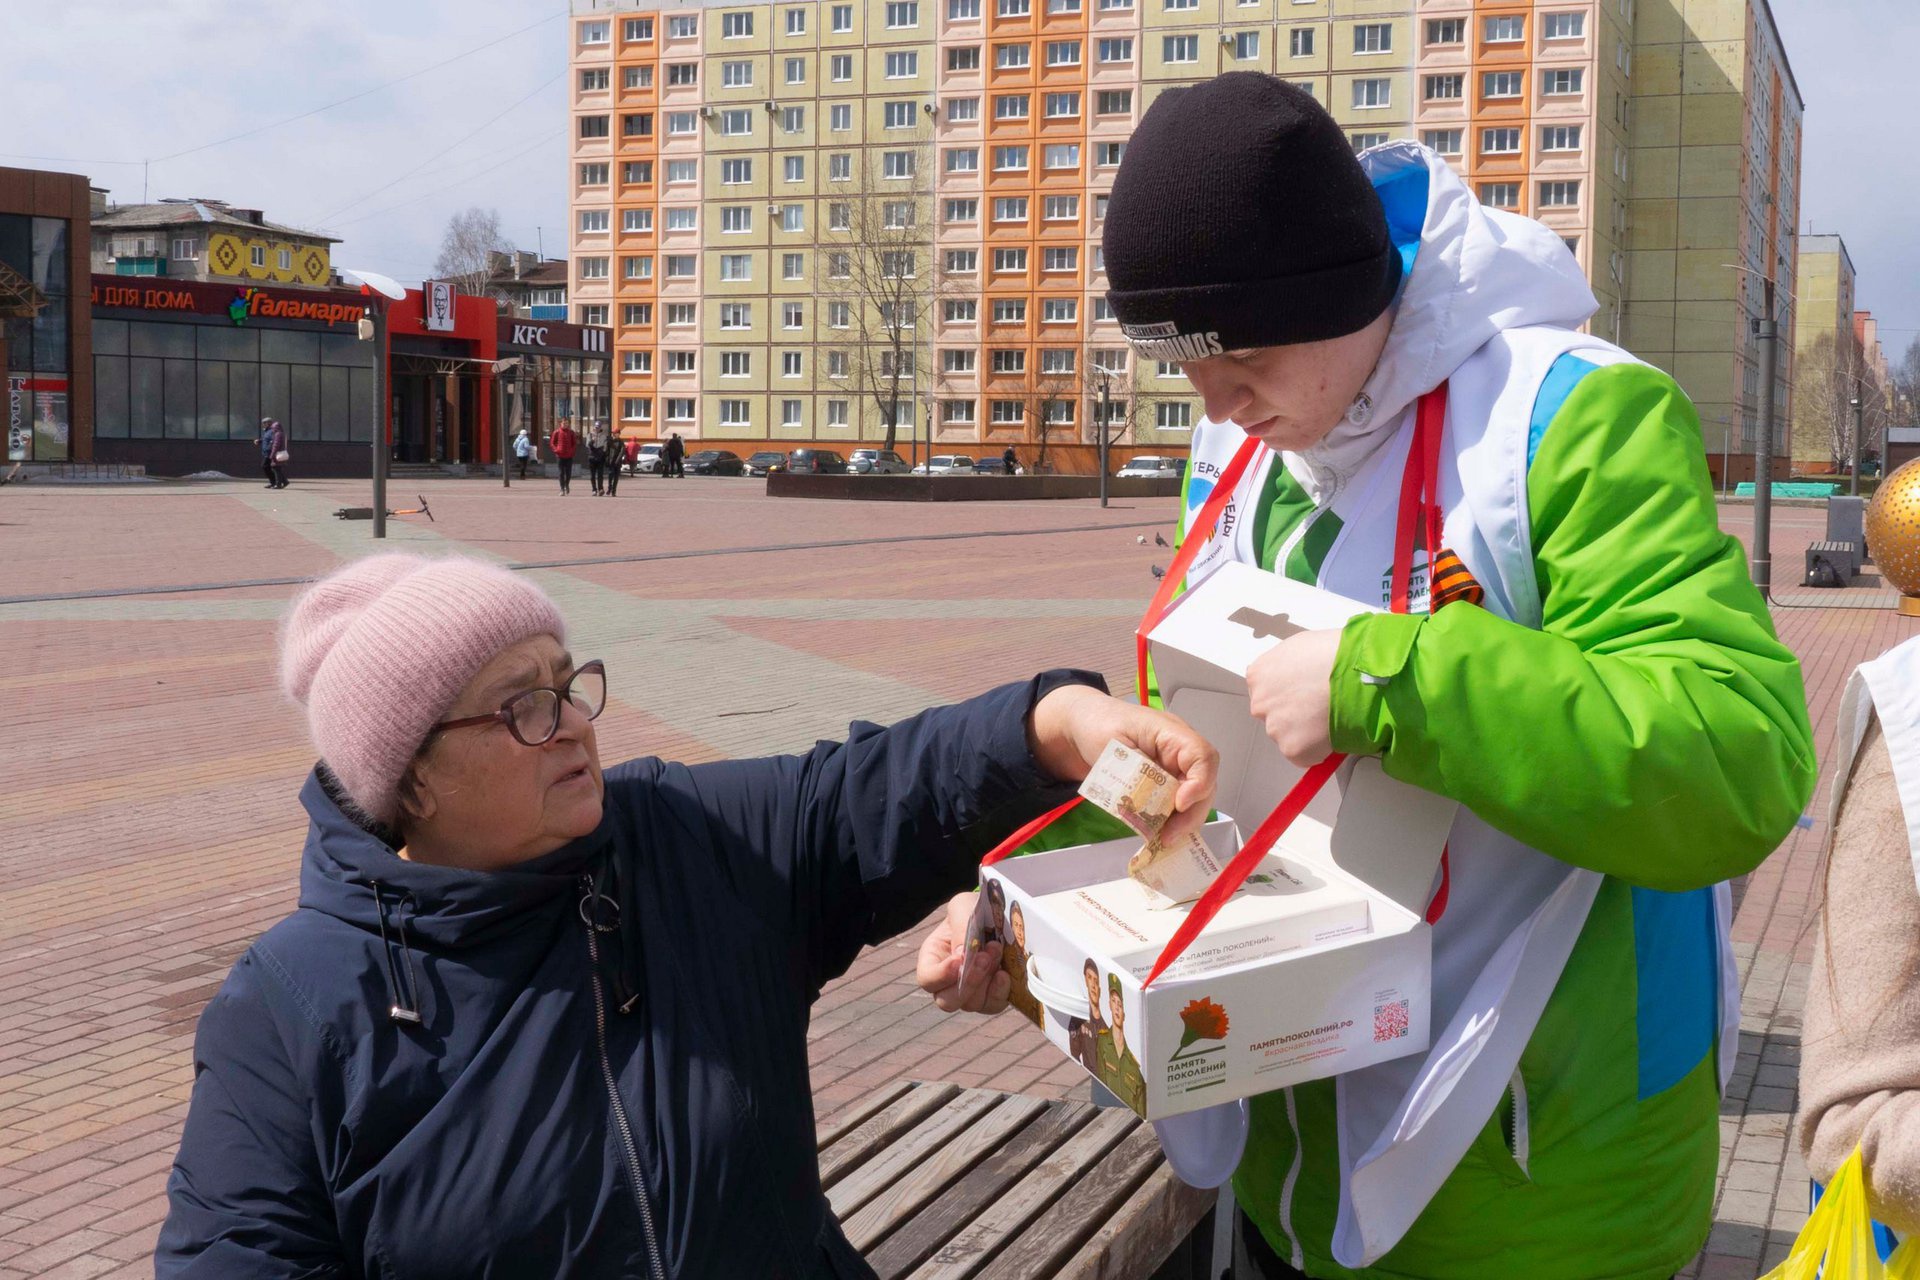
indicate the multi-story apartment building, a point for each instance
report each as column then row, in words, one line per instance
column 1823, row 342
column 206, row 240
column 724, row 154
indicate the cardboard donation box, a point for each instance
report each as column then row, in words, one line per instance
column 1319, row 965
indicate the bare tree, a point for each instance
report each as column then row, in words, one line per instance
column 877, row 277
column 1906, row 384
column 471, row 236
column 1824, row 381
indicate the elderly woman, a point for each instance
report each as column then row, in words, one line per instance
column 531, row 1018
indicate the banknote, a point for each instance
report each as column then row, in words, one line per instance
column 1174, row 873
column 1132, row 788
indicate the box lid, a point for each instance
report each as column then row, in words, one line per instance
column 1385, row 833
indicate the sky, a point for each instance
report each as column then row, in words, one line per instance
column 100, row 85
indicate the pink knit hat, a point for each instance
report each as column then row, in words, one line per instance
column 378, row 650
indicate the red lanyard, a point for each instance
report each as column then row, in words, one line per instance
column 1419, row 506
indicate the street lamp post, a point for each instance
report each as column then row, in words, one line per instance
column 1102, row 424
column 1853, row 488
column 1763, row 451
column 378, row 290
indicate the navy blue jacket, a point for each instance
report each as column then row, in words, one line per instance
column 329, row 1135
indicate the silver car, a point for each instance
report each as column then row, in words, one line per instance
column 877, row 462
column 946, row 464
column 1147, row 467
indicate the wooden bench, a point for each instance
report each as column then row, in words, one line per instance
column 936, row 1182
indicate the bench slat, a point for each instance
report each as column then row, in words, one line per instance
column 966, row 1253
column 845, row 1121
column 874, row 1133
column 924, row 1141
column 1053, row 1238
column 915, row 1241
column 1148, row 1227
column 921, row 1182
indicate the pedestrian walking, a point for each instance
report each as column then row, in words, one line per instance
column 564, row 441
column 523, row 449
column 676, row 455
column 1010, row 461
column 537, row 1017
column 616, row 462
column 598, row 439
column 274, row 454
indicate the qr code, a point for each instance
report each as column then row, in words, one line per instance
column 1389, row 1021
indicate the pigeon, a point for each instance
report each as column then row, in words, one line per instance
column 1158, row 572
column 1140, row 539
column 1158, row 541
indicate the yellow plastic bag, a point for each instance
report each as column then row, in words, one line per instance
column 1837, row 1242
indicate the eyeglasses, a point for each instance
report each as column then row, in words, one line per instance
column 532, row 716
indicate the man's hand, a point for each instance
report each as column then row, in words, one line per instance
column 958, row 981
column 1072, row 725
column 1290, row 689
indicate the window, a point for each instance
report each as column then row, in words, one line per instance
column 680, row 362
column 793, row 266
column 1373, row 37
column 896, row 164
column 836, row 413
column 790, row 411
column 682, row 122
column 1246, row 44
column 1057, row 413
column 1010, row 311
column 636, row 362
column 842, row 18
column 595, row 314
column 679, row 409
column 591, row 175
column 594, row 79
column 1174, row 6
column 903, row 64
column 1010, row 361
column 1372, row 93
column 1500, row 195
column 897, row 215
column 902, row 13
column 1559, row 195
column 683, row 219
column 636, row 78
column 1440, row 88
column 1562, row 80
column 796, row 70
column 963, row 159
column 1560, row 137
column 1180, row 48
column 962, row 262
column 1008, row 413
column 735, row 172
column 1102, row 309
column 636, row 171
column 789, row 364
column 1014, row 8
column 1173, row 417
column 1100, row 203
column 839, row 216
column 1361, row 141
column 637, row 29
column 1063, row 6
column 285, row 258
column 840, row 117
column 836, row 364
column 1012, row 57
column 1506, row 29
column 636, row 409
column 792, row 315
column 187, row 248
column 892, row 366
column 957, row 413
column 736, row 75
column 1119, row 50
column 1011, row 106
column 793, row 119
column 1565, row 26
column 961, row 311
column 594, row 33
column 961, row 110
column 840, row 68
column 1300, row 42
column 1500, row 84
column 736, row 266
column 1061, row 259
column 793, row 168
column 1063, row 155
column 839, row 265
column 736, row 315
column 590, row 268
column 1063, row 53
column 1444, row 141
column 1062, row 208
column 680, row 314
column 592, row 220
column 1010, row 209
column 963, row 10
column 636, row 267
column 838, row 315
column 897, row 115
column 796, row 22
column 683, row 26
column 1447, row 31
column 1114, row 102
column 1500, row 142
column 1009, row 159
column 964, row 58
column 897, row 264
column 736, row 123
column 1110, row 360
column 734, row 413
column 594, row 127
column 1572, row 243
column 960, row 360
column 1108, row 154
column 1059, row 311
column 1107, row 6
column 681, row 266
column 1010, row 261
column 793, row 217
column 736, row 364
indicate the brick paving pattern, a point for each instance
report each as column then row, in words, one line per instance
column 150, row 766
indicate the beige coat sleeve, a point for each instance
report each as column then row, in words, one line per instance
column 1860, row 1048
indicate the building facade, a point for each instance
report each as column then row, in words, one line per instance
column 803, row 219
column 1824, row 346
column 46, row 326
column 531, row 287
column 209, row 241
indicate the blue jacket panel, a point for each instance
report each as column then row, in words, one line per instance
column 329, row 1135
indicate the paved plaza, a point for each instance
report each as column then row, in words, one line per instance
column 151, row 828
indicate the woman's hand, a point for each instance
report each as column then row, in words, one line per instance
column 1290, row 690
column 958, row 982
column 1072, row 725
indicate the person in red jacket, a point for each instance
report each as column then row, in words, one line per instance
column 563, row 441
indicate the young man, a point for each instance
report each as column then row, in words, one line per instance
column 565, row 442
column 1616, row 717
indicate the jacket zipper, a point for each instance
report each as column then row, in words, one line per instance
column 619, row 1108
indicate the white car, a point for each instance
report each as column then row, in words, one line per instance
column 1151, row 468
column 652, row 456
column 946, row 464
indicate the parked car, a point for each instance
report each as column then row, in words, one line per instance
column 993, row 466
column 1147, row 467
column 715, row 462
column 648, row 459
column 816, row 462
column 946, row 464
column 767, row 460
column 877, row 462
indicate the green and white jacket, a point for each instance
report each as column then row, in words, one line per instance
column 1623, row 730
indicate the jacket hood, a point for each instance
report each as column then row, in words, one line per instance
column 1472, row 272
column 352, row 874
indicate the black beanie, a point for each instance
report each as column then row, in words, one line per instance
column 1240, row 219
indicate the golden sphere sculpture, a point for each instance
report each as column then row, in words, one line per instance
column 1893, row 533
